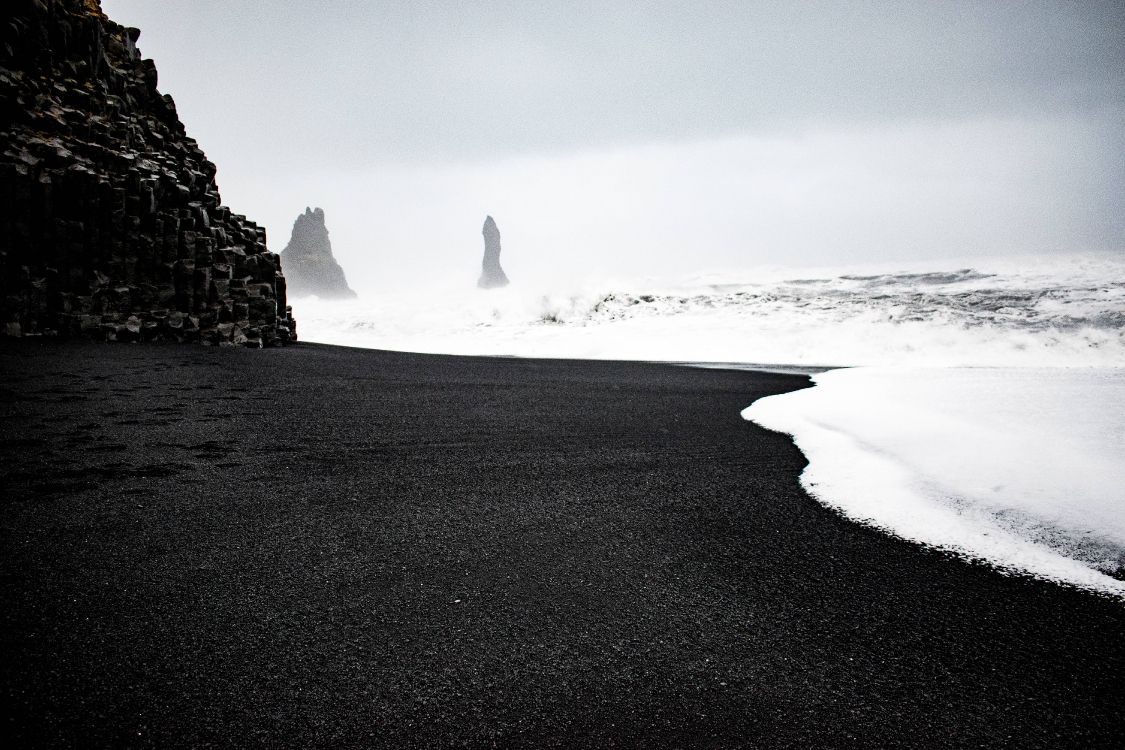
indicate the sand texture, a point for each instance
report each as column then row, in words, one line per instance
column 325, row 547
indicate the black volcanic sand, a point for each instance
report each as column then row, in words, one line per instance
column 319, row 546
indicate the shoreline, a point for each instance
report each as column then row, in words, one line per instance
column 329, row 546
column 1013, row 467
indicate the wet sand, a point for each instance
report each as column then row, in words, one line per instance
column 319, row 546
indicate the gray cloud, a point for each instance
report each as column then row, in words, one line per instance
column 417, row 80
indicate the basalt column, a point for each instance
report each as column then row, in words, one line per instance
column 309, row 264
column 111, row 224
column 492, row 275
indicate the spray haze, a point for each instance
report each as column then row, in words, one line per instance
column 656, row 137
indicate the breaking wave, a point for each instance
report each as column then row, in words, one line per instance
column 1055, row 312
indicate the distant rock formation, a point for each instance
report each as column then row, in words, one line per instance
column 492, row 275
column 111, row 224
column 309, row 265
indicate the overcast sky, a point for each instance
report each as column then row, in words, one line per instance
column 662, row 137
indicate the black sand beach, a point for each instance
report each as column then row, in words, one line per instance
column 324, row 547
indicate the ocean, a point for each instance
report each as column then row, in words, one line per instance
column 982, row 410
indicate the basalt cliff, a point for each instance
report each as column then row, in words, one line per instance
column 111, row 224
column 309, row 264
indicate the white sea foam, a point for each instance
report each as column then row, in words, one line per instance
column 1022, row 467
column 1061, row 313
column 985, row 415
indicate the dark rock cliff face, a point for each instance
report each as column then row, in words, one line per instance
column 492, row 275
column 309, row 265
column 111, row 223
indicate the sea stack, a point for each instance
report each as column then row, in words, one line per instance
column 309, row 266
column 492, row 275
column 111, row 224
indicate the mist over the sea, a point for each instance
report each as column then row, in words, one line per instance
column 652, row 138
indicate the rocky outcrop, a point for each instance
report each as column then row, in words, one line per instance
column 310, row 267
column 111, row 223
column 492, row 275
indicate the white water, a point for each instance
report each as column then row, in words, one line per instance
column 1022, row 467
column 1067, row 312
column 985, row 415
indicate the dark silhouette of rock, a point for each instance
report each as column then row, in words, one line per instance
column 309, row 265
column 111, row 224
column 492, row 275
